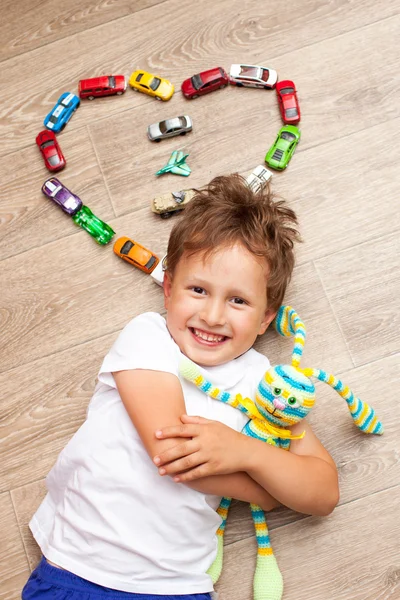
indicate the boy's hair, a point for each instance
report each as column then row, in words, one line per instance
column 225, row 212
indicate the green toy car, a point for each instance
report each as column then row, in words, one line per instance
column 101, row 232
column 282, row 150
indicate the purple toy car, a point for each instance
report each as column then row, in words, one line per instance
column 55, row 190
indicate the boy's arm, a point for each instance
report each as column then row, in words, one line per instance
column 304, row 479
column 150, row 409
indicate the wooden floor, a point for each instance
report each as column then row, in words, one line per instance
column 64, row 298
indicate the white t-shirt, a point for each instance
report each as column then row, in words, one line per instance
column 108, row 516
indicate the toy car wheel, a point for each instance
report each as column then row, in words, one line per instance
column 165, row 215
column 90, row 97
column 157, row 98
column 157, row 141
column 183, row 133
column 221, row 87
column 119, row 93
column 239, row 84
column 195, row 96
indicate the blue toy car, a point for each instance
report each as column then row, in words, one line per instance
column 59, row 116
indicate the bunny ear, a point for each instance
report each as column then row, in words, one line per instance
column 288, row 323
column 363, row 415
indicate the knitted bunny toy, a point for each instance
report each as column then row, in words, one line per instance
column 284, row 396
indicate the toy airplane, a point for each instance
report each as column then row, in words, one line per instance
column 176, row 164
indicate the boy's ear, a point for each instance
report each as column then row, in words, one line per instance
column 269, row 316
column 167, row 288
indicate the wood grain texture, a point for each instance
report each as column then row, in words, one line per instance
column 27, row 218
column 236, row 116
column 14, row 569
column 26, row 501
column 63, row 298
column 328, row 558
column 191, row 39
column 73, row 290
column 372, row 279
column 27, row 25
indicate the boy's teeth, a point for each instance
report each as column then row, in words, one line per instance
column 208, row 337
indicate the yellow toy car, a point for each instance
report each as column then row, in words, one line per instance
column 141, row 81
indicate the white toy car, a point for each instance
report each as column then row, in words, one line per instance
column 169, row 128
column 258, row 178
column 158, row 273
column 253, row 76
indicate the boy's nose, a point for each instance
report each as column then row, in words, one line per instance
column 214, row 313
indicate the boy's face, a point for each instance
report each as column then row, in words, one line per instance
column 217, row 307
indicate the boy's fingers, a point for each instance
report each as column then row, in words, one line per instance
column 177, row 431
column 181, row 465
column 176, row 452
column 194, row 419
column 196, row 473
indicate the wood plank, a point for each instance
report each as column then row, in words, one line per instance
column 27, row 500
column 13, row 563
column 240, row 30
column 334, row 190
column 29, row 25
column 44, row 406
column 217, row 144
column 371, row 275
column 28, row 219
column 351, row 555
column 73, row 290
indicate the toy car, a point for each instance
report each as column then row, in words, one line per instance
column 258, row 178
column 51, row 151
column 159, row 88
column 66, row 200
column 158, row 273
column 59, row 116
column 101, row 232
column 171, row 202
column 135, row 254
column 108, row 85
column 169, row 128
column 253, row 76
column 205, row 82
column 280, row 153
column 288, row 103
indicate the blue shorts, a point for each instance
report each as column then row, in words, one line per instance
column 51, row 583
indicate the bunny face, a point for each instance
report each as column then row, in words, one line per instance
column 284, row 395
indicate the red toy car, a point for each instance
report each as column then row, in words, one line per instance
column 288, row 103
column 207, row 81
column 51, row 151
column 108, row 85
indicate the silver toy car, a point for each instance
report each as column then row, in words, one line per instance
column 169, row 128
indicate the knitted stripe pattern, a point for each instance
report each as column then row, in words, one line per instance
column 363, row 414
column 262, row 535
column 288, row 323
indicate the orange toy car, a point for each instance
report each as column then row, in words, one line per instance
column 135, row 254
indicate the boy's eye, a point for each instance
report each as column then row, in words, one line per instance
column 238, row 301
column 198, row 290
column 277, row 391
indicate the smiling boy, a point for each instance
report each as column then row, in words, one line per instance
column 131, row 506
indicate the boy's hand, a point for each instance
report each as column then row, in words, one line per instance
column 210, row 448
